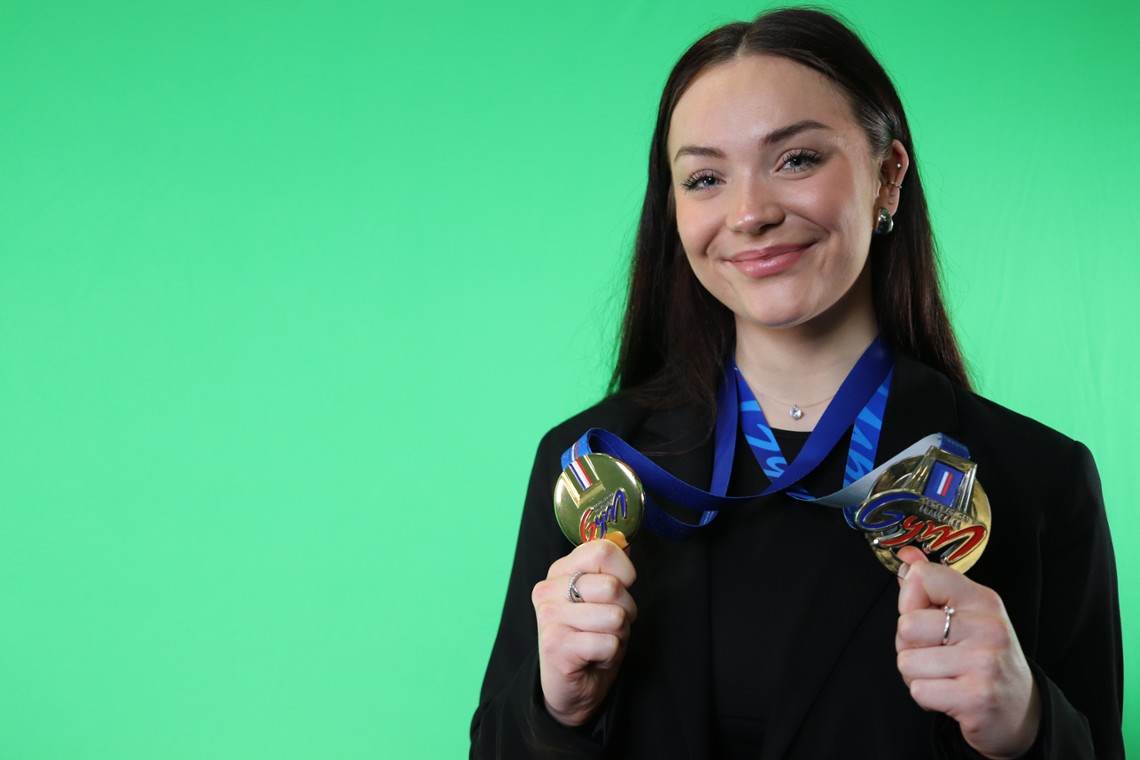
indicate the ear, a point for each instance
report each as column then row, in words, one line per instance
column 891, row 172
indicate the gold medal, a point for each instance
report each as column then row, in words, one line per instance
column 933, row 501
column 598, row 496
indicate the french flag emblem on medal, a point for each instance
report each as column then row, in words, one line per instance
column 943, row 484
column 580, row 475
column 933, row 501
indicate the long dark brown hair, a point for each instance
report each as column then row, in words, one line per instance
column 675, row 336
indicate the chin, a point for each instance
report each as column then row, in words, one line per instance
column 773, row 321
column 778, row 316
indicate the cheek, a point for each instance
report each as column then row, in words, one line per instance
column 841, row 216
column 824, row 204
column 696, row 228
column 695, row 241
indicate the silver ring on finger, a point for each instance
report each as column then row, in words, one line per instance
column 572, row 592
column 946, row 627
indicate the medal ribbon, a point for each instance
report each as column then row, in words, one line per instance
column 865, row 430
column 854, row 400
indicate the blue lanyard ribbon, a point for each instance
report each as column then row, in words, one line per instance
column 865, row 430
column 856, row 403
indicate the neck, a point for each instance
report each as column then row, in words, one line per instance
column 804, row 365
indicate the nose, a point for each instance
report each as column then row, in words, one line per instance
column 754, row 208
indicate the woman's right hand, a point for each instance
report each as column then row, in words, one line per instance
column 581, row 644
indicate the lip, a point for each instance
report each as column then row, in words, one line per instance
column 769, row 260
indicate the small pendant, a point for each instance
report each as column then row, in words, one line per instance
column 795, row 412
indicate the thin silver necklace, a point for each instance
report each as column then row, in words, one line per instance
column 796, row 411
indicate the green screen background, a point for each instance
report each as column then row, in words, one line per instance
column 289, row 292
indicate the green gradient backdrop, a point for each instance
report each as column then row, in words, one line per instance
column 260, row 264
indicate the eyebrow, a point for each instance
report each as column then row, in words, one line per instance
column 773, row 137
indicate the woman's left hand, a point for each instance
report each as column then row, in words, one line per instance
column 977, row 675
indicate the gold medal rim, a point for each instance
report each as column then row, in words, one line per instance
column 898, row 475
column 634, row 493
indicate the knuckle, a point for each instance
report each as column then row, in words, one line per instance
column 611, row 647
column 608, row 548
column 545, row 615
column 990, row 602
column 617, row 617
column 918, row 691
column 611, row 587
column 545, row 592
column 1002, row 638
column 558, row 567
column 583, row 549
column 538, row 593
column 601, row 550
column 906, row 626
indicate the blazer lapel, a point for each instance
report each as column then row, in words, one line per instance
column 921, row 402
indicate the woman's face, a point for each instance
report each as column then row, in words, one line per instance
column 776, row 193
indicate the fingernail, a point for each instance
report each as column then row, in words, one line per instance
column 904, row 568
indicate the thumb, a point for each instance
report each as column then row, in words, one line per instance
column 909, row 555
column 912, row 592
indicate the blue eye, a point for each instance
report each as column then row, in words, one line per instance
column 700, row 181
column 800, row 160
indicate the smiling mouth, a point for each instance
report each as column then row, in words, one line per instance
column 770, row 260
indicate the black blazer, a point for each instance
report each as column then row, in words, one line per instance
column 1049, row 557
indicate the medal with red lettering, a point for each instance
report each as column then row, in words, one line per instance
column 933, row 501
column 598, row 496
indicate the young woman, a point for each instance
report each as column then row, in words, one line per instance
column 785, row 238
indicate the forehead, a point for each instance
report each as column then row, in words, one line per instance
column 748, row 97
